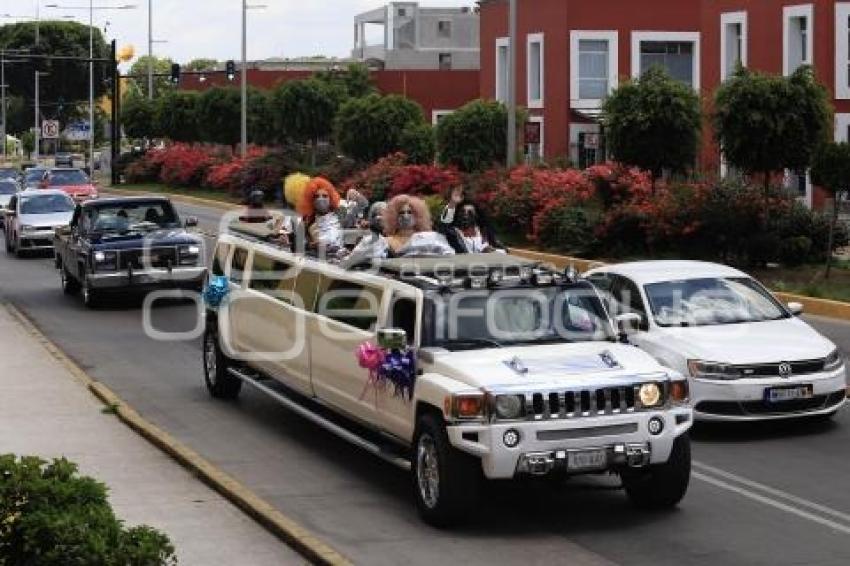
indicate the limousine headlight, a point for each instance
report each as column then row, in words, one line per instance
column 105, row 261
column 509, row 407
column 713, row 370
column 833, row 361
column 650, row 395
column 189, row 255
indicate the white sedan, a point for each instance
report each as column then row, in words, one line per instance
column 748, row 356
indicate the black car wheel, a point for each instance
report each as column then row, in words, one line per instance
column 70, row 285
column 220, row 383
column 91, row 298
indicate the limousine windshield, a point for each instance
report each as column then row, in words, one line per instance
column 508, row 317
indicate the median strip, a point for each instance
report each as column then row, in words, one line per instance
column 285, row 528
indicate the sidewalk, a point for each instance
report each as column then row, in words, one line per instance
column 46, row 412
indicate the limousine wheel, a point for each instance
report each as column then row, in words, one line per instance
column 662, row 485
column 220, row 383
column 446, row 481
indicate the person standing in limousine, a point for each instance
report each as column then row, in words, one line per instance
column 318, row 208
column 407, row 225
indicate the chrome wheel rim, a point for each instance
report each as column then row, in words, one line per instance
column 427, row 471
column 210, row 358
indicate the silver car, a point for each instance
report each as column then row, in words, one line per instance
column 32, row 218
column 8, row 188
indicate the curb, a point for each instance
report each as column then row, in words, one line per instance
column 286, row 529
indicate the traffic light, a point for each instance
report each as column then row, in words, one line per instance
column 175, row 73
column 230, row 69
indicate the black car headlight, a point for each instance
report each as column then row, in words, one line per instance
column 105, row 261
column 189, row 254
column 833, row 361
column 509, row 407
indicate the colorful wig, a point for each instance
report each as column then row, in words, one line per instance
column 420, row 213
column 305, row 205
column 294, row 186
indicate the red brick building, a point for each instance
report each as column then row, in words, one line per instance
column 571, row 53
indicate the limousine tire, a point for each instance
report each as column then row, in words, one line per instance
column 220, row 383
column 446, row 481
column 662, row 485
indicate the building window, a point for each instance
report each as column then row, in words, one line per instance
column 402, row 12
column 444, row 28
column 502, row 60
column 675, row 52
column 797, row 31
column 535, row 70
column 842, row 50
column 733, row 43
column 438, row 115
column 445, row 61
column 593, row 67
column 534, row 147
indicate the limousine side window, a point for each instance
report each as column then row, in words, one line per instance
column 272, row 277
column 220, row 259
column 306, row 288
column 403, row 316
column 351, row 303
column 237, row 265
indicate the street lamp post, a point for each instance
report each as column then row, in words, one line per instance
column 512, row 55
column 244, row 74
column 150, row 49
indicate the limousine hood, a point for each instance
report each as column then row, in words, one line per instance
column 547, row 366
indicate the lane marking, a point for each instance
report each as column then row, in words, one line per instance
column 773, row 503
column 773, row 491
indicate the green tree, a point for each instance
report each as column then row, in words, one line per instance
column 767, row 123
column 261, row 128
column 371, row 127
column 474, row 137
column 137, row 117
column 28, row 143
column 219, row 114
column 201, row 64
column 176, row 116
column 304, row 110
column 831, row 171
column 653, row 122
column 354, row 82
column 19, row 117
column 139, row 74
column 418, row 143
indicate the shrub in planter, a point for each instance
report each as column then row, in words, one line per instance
column 50, row 515
column 142, row 170
column 568, row 228
column 337, row 168
column 375, row 181
column 267, row 173
column 422, row 180
column 418, row 142
column 795, row 251
column 185, row 165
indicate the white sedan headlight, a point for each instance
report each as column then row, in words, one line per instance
column 702, row 369
column 833, row 361
column 27, row 228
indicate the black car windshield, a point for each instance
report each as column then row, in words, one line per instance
column 46, row 204
column 129, row 217
column 8, row 187
column 493, row 318
column 710, row 301
column 34, row 175
column 68, row 177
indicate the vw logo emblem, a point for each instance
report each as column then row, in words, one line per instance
column 785, row 369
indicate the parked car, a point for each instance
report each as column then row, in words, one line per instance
column 32, row 217
column 748, row 356
column 73, row 181
column 128, row 244
column 63, row 159
column 33, row 177
column 8, row 188
column 545, row 391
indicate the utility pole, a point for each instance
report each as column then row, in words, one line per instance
column 244, row 122
column 91, row 88
column 3, row 100
column 512, row 55
column 37, row 129
column 150, row 49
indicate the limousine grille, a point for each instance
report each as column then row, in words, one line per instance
column 612, row 400
column 159, row 257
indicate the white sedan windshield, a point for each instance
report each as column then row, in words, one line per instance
column 711, row 301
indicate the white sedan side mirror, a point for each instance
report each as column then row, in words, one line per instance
column 795, row 308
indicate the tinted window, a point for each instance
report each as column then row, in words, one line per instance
column 134, row 216
column 403, row 315
column 70, row 177
column 34, row 175
column 273, row 277
column 8, row 188
column 46, row 204
column 220, row 259
column 8, row 172
column 237, row 265
column 351, row 303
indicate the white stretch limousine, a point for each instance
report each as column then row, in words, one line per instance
column 459, row 368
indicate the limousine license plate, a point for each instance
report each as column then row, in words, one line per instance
column 789, row 393
column 591, row 459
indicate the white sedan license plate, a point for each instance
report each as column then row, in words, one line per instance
column 781, row 394
column 594, row 459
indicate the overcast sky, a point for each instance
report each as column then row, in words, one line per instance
column 211, row 28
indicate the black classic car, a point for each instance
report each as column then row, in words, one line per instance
column 116, row 245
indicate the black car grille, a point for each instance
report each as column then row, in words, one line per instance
column 158, row 257
column 803, row 367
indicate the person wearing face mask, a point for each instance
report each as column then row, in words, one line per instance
column 407, row 224
column 318, row 207
column 374, row 245
column 466, row 227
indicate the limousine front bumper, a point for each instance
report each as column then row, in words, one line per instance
column 177, row 277
column 625, row 438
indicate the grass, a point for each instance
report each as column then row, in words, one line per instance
column 809, row 280
column 190, row 192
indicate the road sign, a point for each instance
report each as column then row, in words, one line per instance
column 532, row 133
column 50, row 129
column 77, row 131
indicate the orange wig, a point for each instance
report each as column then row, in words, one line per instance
column 305, row 207
column 420, row 213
